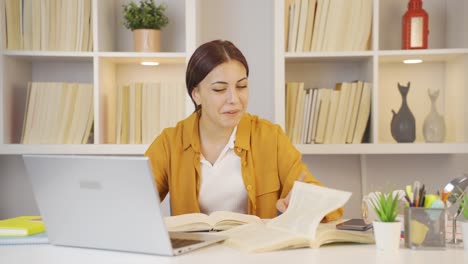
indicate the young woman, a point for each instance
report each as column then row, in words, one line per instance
column 221, row 157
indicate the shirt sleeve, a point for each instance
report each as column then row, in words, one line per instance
column 158, row 156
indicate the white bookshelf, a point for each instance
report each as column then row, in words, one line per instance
column 112, row 62
column 445, row 67
column 257, row 27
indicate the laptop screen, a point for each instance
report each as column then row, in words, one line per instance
column 108, row 202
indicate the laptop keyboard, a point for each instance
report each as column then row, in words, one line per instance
column 178, row 242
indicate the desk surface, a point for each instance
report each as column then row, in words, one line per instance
column 340, row 254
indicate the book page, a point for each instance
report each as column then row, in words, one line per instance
column 260, row 238
column 308, row 205
column 220, row 220
column 328, row 233
column 189, row 222
column 294, row 228
column 224, row 220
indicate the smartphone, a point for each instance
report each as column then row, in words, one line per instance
column 356, row 224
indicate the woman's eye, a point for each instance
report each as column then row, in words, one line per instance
column 218, row 90
column 241, row 86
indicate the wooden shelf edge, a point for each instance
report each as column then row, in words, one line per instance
column 85, row 149
column 305, row 149
column 362, row 149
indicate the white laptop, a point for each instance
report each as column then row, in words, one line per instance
column 104, row 202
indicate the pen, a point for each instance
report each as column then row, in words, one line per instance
column 422, row 193
column 408, row 200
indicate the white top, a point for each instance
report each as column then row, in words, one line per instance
column 222, row 187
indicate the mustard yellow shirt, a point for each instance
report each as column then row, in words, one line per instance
column 270, row 165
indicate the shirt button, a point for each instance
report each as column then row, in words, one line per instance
column 249, row 187
column 238, row 150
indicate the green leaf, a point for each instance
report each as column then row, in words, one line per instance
column 147, row 15
column 386, row 206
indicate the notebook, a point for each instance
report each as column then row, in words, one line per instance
column 39, row 238
column 105, row 202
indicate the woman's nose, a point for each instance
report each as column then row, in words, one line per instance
column 233, row 96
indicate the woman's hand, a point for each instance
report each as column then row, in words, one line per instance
column 282, row 204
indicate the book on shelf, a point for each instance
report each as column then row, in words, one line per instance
column 323, row 115
column 316, row 112
column 287, row 11
column 349, row 112
column 299, row 112
column 299, row 226
column 292, row 90
column 333, row 26
column 216, row 221
column 294, row 25
column 21, row 226
column 364, row 27
column 310, row 119
column 345, row 90
column 305, row 116
column 144, row 109
column 47, row 25
column 39, row 238
column 302, row 25
column 36, row 25
column 13, row 24
column 363, row 113
column 58, row 113
column 320, row 25
column 334, row 101
column 310, row 25
column 354, row 112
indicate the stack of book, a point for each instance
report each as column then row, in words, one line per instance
column 327, row 25
column 48, row 25
column 145, row 109
column 58, row 113
column 325, row 115
column 22, row 230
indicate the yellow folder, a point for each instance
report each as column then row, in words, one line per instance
column 21, row 226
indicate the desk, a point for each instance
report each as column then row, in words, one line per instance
column 339, row 254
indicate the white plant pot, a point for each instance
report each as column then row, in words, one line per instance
column 387, row 235
column 464, row 226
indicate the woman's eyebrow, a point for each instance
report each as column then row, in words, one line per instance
column 220, row 82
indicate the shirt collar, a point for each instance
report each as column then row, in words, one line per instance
column 232, row 138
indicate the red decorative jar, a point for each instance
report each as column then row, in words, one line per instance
column 415, row 26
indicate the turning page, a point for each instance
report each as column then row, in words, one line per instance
column 294, row 228
column 308, row 206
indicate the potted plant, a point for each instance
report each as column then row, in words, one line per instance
column 387, row 229
column 462, row 199
column 145, row 19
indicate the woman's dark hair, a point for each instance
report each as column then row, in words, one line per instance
column 206, row 58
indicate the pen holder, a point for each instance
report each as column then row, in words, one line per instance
column 424, row 228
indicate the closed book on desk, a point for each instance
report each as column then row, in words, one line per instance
column 21, row 226
column 216, row 221
column 300, row 225
column 39, row 238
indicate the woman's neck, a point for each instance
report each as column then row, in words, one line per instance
column 212, row 140
column 214, row 135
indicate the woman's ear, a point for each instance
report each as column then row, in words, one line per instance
column 196, row 95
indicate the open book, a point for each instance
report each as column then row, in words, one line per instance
column 300, row 225
column 216, row 221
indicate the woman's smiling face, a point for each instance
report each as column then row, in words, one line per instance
column 223, row 95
